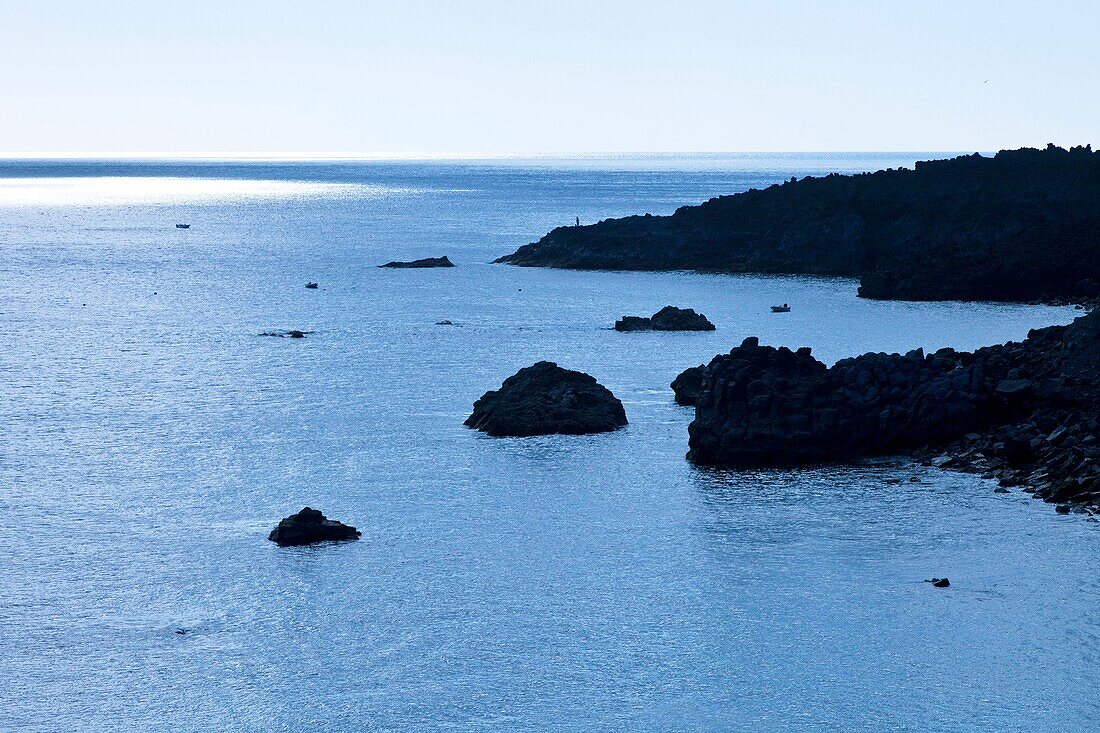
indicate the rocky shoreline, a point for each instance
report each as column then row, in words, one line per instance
column 1023, row 413
column 1021, row 226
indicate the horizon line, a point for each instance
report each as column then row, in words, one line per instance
column 444, row 155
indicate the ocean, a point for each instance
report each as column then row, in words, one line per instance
column 151, row 438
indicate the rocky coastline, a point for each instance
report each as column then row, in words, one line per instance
column 1024, row 413
column 1023, row 225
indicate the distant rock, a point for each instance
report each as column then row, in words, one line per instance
column 543, row 399
column 426, row 262
column 668, row 318
column 444, row 323
column 292, row 334
column 309, row 526
column 688, row 385
column 939, row 582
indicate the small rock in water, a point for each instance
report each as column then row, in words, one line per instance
column 444, row 323
column 939, row 582
column 1000, row 490
column 309, row 526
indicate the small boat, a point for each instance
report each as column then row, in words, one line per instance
column 183, row 226
column 311, row 286
column 781, row 308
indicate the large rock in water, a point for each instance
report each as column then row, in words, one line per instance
column 668, row 318
column 309, row 526
column 543, row 399
column 426, row 262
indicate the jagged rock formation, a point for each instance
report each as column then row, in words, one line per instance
column 544, row 398
column 1022, row 225
column 1026, row 413
column 668, row 318
column 309, row 526
column 426, row 262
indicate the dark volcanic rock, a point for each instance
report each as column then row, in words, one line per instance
column 1022, row 225
column 688, row 385
column 426, row 262
column 544, row 398
column 309, row 526
column 680, row 319
column 939, row 582
column 668, row 318
column 1024, row 413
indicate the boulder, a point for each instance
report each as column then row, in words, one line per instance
column 309, row 526
column 426, row 262
column 543, row 399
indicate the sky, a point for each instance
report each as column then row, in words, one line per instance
column 558, row 76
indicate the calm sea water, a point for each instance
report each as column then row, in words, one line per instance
column 151, row 439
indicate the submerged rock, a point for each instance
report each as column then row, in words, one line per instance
column 309, row 526
column 292, row 334
column 688, row 385
column 668, row 318
column 426, row 262
column 543, row 399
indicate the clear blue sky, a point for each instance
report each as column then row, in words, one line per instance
column 553, row 76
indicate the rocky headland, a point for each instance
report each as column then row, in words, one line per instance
column 426, row 262
column 1027, row 413
column 1023, row 225
column 310, row 526
column 543, row 399
column 668, row 318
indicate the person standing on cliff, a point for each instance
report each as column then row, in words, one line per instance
column 578, row 221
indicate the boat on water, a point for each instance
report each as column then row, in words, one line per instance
column 183, row 226
column 311, row 285
column 781, row 308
